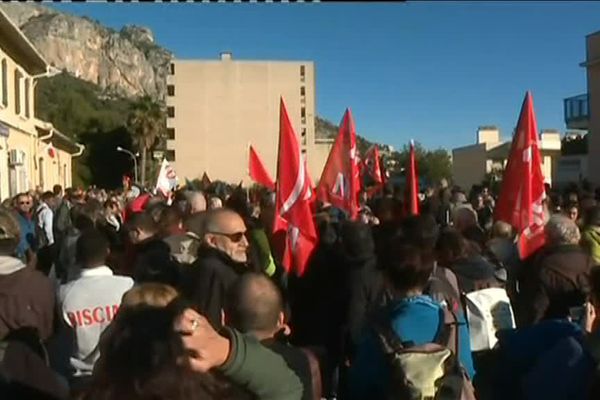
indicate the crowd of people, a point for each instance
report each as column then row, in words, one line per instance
column 132, row 295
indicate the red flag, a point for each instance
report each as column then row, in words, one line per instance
column 258, row 172
column 522, row 193
column 411, row 192
column 340, row 180
column 293, row 215
column 371, row 165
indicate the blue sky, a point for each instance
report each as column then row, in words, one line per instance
column 432, row 71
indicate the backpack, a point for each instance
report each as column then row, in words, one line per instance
column 442, row 286
column 428, row 372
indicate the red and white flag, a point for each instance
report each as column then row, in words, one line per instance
column 257, row 170
column 293, row 199
column 411, row 191
column 167, row 178
column 340, row 180
column 523, row 191
column 371, row 165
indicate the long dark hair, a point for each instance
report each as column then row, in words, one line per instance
column 143, row 358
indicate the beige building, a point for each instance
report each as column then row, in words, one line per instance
column 32, row 152
column 216, row 108
column 583, row 111
column 471, row 164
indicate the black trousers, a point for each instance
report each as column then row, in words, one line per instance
column 46, row 257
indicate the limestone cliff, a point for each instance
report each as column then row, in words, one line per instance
column 126, row 63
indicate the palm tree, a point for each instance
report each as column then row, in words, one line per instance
column 147, row 124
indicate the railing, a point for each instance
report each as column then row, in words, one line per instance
column 577, row 112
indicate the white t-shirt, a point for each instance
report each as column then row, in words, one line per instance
column 88, row 305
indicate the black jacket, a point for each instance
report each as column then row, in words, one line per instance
column 24, row 374
column 207, row 281
column 366, row 294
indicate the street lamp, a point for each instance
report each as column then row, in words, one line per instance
column 134, row 158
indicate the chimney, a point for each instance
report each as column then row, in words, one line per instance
column 225, row 56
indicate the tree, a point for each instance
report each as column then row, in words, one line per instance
column 146, row 123
column 432, row 165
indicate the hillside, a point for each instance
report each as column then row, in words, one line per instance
column 127, row 62
column 104, row 70
column 80, row 110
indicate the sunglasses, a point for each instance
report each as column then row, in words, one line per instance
column 235, row 237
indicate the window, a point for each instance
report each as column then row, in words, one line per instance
column 303, row 132
column 302, row 91
column 41, row 170
column 27, row 98
column 303, row 115
column 171, row 112
column 17, row 92
column 4, row 83
column 170, row 155
column 171, row 90
column 302, row 71
column 172, row 69
column 171, row 133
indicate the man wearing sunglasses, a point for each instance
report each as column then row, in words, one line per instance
column 221, row 259
column 24, row 205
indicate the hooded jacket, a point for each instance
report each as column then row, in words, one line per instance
column 474, row 273
column 26, row 298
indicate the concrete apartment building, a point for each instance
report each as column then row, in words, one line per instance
column 582, row 112
column 216, row 108
column 32, row 152
column 471, row 164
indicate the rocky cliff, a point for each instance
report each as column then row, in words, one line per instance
column 127, row 62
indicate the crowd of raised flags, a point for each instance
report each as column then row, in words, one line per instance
column 519, row 203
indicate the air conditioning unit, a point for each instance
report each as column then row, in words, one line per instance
column 16, row 157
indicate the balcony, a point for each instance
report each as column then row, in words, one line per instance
column 577, row 112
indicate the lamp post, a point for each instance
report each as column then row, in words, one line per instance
column 134, row 158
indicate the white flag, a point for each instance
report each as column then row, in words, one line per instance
column 167, row 178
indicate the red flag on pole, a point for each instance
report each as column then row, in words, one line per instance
column 372, row 166
column 340, row 180
column 257, row 170
column 411, row 192
column 522, row 193
column 293, row 199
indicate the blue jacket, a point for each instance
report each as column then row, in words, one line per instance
column 27, row 227
column 545, row 361
column 414, row 319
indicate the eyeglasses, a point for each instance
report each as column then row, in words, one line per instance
column 235, row 237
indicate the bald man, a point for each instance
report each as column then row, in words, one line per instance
column 197, row 202
column 222, row 258
column 255, row 306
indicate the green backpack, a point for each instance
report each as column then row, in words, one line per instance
column 428, row 372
